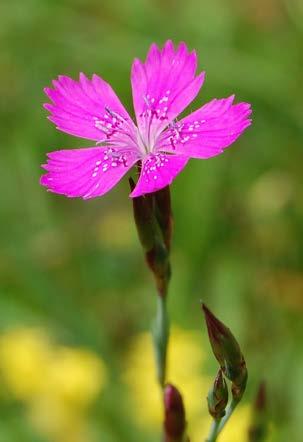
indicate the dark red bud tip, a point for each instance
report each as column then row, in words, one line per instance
column 220, row 336
column 172, row 398
column 174, row 423
column 214, row 326
column 227, row 352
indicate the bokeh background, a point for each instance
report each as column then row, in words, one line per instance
column 76, row 301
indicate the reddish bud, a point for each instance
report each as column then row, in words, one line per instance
column 174, row 423
column 158, row 261
column 217, row 398
column 227, row 352
column 153, row 226
column 144, row 219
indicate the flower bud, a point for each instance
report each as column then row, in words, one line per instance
column 144, row 218
column 153, row 225
column 174, row 423
column 227, row 352
column 158, row 261
column 217, row 398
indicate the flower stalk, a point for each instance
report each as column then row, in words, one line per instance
column 153, row 218
column 213, row 433
column 152, row 214
column 161, row 336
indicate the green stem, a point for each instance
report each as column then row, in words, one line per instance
column 161, row 335
column 218, row 425
column 229, row 412
column 213, row 430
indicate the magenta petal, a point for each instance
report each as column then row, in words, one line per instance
column 165, row 84
column 207, row 131
column 86, row 173
column 162, row 86
column 158, row 171
column 80, row 107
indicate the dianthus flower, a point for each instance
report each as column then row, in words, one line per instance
column 162, row 87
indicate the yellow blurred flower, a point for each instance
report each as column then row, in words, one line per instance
column 57, row 420
column 25, row 355
column 76, row 376
column 186, row 357
column 56, row 383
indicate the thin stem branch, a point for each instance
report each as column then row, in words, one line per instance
column 229, row 412
column 161, row 336
column 218, row 425
column 213, row 430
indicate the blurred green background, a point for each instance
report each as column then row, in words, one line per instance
column 76, row 301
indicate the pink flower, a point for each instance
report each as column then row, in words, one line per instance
column 162, row 88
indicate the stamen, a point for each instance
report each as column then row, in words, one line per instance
column 146, row 100
column 114, row 114
column 99, row 125
column 114, row 125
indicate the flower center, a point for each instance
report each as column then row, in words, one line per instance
column 119, row 131
column 150, row 124
column 145, row 144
